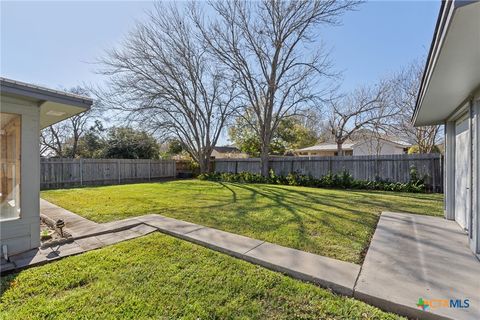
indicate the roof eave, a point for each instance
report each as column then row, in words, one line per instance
column 439, row 26
column 17, row 88
column 445, row 15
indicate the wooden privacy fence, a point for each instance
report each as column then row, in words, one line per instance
column 395, row 168
column 65, row 173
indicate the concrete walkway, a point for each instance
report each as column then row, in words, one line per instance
column 40, row 256
column 79, row 227
column 87, row 235
column 334, row 274
column 414, row 256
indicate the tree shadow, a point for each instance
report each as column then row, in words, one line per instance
column 356, row 229
column 7, row 281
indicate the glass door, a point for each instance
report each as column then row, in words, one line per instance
column 10, row 134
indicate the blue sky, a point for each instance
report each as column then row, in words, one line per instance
column 54, row 44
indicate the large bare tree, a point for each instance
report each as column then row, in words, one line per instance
column 61, row 139
column 267, row 47
column 164, row 79
column 367, row 108
column 406, row 84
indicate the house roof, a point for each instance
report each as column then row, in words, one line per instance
column 398, row 142
column 351, row 145
column 327, row 147
column 227, row 149
column 54, row 105
column 452, row 71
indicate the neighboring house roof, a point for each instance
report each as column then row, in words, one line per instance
column 452, row 71
column 227, row 149
column 397, row 142
column 350, row 146
column 327, row 147
column 54, row 105
column 401, row 143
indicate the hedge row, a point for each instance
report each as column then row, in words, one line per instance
column 343, row 180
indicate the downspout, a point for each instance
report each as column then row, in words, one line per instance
column 5, row 251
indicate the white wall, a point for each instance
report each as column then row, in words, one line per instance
column 475, row 239
column 376, row 147
column 228, row 155
column 449, row 183
column 23, row 233
column 473, row 200
column 317, row 154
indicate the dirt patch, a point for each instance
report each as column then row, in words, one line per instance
column 50, row 236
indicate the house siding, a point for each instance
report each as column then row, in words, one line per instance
column 475, row 235
column 374, row 147
column 449, row 187
column 24, row 233
column 473, row 213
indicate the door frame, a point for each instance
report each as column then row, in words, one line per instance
column 450, row 170
column 474, row 236
column 464, row 116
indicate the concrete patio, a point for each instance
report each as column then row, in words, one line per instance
column 410, row 257
column 414, row 256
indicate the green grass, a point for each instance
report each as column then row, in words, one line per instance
column 334, row 223
column 160, row 277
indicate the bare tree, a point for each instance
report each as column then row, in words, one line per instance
column 365, row 108
column 53, row 139
column 61, row 139
column 406, row 85
column 264, row 44
column 164, row 79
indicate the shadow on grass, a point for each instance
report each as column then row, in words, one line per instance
column 6, row 282
column 337, row 223
column 343, row 222
column 353, row 216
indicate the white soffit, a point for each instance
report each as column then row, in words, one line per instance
column 456, row 71
column 53, row 112
column 55, row 105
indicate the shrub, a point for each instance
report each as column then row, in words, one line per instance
column 342, row 180
column 415, row 149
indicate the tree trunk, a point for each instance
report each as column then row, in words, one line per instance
column 264, row 159
column 339, row 149
column 204, row 162
column 74, row 147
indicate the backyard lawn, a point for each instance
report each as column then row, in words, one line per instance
column 334, row 223
column 172, row 279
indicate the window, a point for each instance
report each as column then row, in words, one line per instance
column 10, row 165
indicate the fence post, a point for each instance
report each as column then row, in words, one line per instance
column 214, row 166
column 81, row 172
column 118, row 170
column 149, row 169
column 432, row 170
